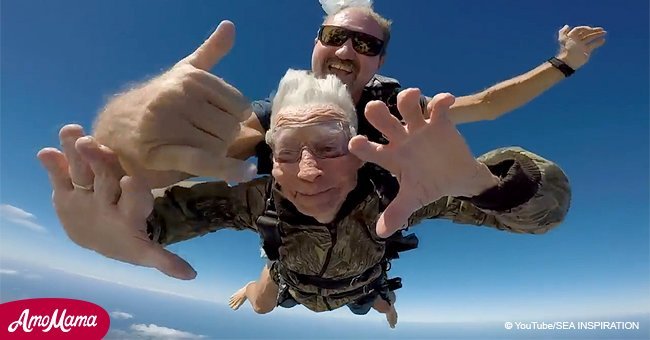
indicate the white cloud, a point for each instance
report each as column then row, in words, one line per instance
column 10, row 211
column 156, row 331
column 121, row 315
column 21, row 217
column 29, row 276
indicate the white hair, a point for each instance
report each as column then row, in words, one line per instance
column 301, row 89
column 334, row 6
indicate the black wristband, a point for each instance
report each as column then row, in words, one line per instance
column 563, row 67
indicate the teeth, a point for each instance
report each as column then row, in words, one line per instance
column 342, row 67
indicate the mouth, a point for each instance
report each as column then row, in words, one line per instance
column 314, row 194
column 340, row 67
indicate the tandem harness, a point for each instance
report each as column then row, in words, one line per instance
column 270, row 231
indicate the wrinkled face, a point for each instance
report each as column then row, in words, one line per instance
column 311, row 161
column 354, row 69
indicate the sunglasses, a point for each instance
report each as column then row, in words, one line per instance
column 362, row 43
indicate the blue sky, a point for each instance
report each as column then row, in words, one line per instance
column 62, row 60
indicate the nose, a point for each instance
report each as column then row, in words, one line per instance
column 308, row 167
column 345, row 51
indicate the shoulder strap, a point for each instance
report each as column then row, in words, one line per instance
column 269, row 227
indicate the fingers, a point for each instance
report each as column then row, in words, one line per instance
column 593, row 36
column 136, row 200
column 380, row 117
column 215, row 122
column 155, row 256
column 214, row 48
column 595, row 44
column 57, row 169
column 105, row 165
column 408, row 104
column 583, row 32
column 371, row 152
column 578, row 31
column 439, row 106
column 80, row 171
column 396, row 215
column 199, row 162
column 224, row 96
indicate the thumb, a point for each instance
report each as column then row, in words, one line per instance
column 214, row 48
column 168, row 263
column 368, row 151
column 396, row 215
column 563, row 31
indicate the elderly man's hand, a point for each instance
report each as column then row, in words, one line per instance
column 180, row 123
column 108, row 212
column 577, row 44
column 429, row 157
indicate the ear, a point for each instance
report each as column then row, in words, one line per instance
column 381, row 61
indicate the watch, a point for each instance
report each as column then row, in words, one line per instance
column 562, row 66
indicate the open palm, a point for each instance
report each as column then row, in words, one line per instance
column 429, row 157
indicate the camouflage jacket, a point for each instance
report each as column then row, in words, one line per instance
column 532, row 197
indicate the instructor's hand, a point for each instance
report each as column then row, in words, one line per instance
column 180, row 123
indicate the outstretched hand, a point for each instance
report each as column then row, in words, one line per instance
column 182, row 122
column 102, row 210
column 429, row 157
column 578, row 43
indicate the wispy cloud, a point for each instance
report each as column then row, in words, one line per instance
column 20, row 217
column 121, row 315
column 26, row 275
column 8, row 272
column 155, row 331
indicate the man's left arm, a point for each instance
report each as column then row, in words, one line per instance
column 533, row 196
column 576, row 46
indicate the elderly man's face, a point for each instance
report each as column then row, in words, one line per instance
column 354, row 69
column 311, row 162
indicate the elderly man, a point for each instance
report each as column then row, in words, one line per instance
column 316, row 215
column 181, row 122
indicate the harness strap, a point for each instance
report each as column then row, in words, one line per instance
column 333, row 284
column 269, row 227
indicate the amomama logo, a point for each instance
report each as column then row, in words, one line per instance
column 52, row 318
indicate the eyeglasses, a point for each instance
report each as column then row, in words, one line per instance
column 323, row 140
column 362, row 43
